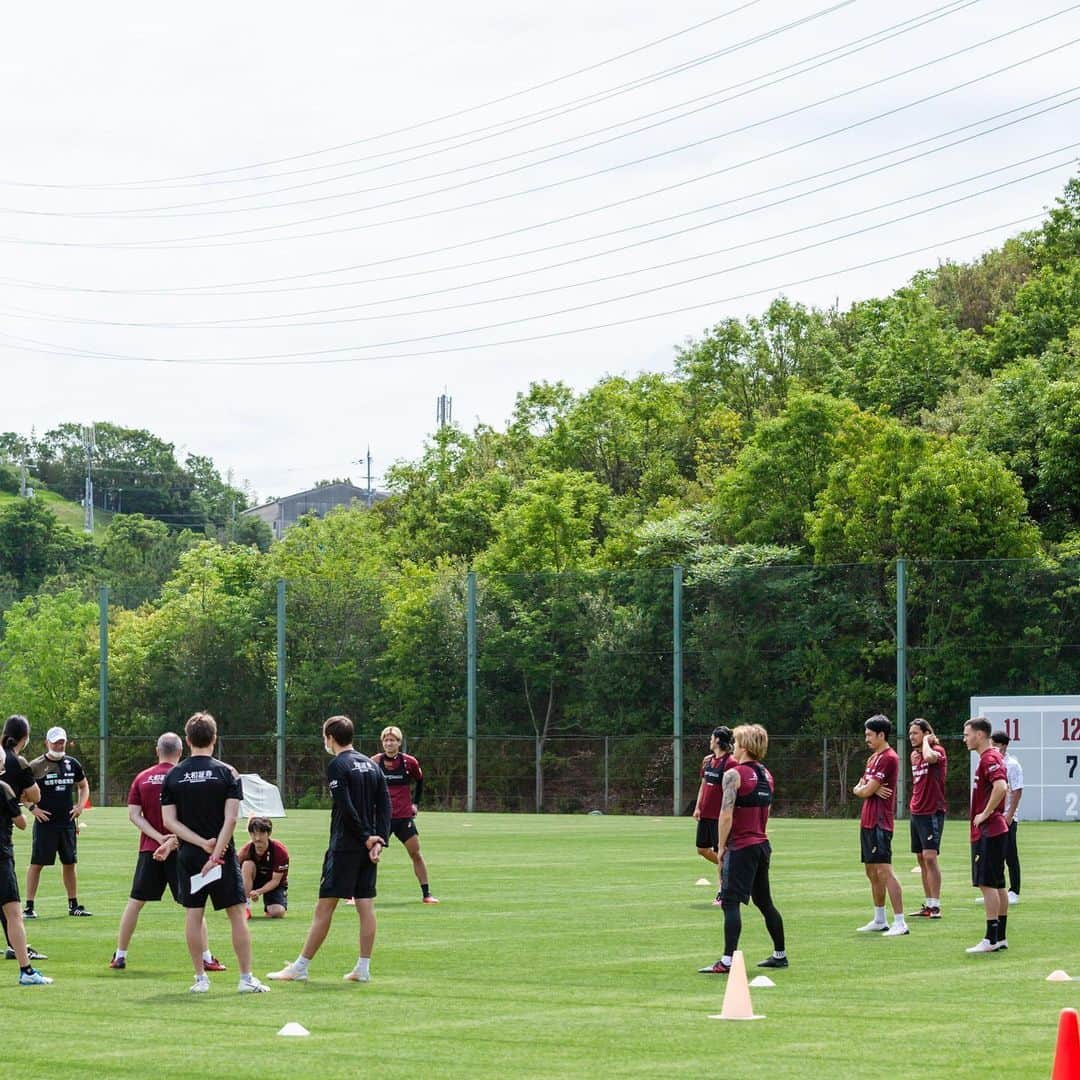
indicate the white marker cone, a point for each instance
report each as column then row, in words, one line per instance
column 295, row 1029
column 737, row 993
column 916, row 869
column 762, row 980
column 703, row 881
column 1058, row 976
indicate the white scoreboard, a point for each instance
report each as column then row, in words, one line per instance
column 1045, row 739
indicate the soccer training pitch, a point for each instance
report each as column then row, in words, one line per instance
column 563, row 946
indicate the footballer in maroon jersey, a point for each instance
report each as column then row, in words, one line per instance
column 405, row 779
column 928, row 765
column 877, row 789
column 989, row 833
column 264, row 864
column 745, row 849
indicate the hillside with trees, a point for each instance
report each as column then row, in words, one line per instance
column 786, row 461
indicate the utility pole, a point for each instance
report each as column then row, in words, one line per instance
column 444, row 409
column 88, row 442
column 22, row 478
column 370, row 493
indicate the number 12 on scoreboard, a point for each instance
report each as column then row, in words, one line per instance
column 1070, row 728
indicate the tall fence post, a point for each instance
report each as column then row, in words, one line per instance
column 605, row 773
column 901, row 680
column 538, row 793
column 103, row 694
column 280, row 703
column 470, row 683
column 676, row 689
column 824, row 777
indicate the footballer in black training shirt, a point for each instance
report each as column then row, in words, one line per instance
column 359, row 826
column 200, row 802
column 65, row 791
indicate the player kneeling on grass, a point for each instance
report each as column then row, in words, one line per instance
column 200, row 802
column 156, row 867
column 359, row 825
column 877, row 789
column 744, row 847
column 265, row 866
column 402, row 771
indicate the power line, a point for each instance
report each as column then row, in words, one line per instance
column 805, row 65
column 410, row 127
column 263, row 324
column 293, row 359
column 218, row 287
column 197, row 241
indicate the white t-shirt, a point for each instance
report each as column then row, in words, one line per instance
column 1015, row 776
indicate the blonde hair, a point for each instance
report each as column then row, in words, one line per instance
column 391, row 730
column 753, row 738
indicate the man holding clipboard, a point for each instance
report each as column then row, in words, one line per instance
column 200, row 802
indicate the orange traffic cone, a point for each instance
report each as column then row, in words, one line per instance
column 1067, row 1054
column 737, row 993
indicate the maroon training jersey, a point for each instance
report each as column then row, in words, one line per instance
column 400, row 771
column 748, row 822
column 712, row 773
column 991, row 768
column 928, row 783
column 145, row 792
column 884, row 766
column 274, row 860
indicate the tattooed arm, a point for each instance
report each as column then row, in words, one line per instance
column 731, row 782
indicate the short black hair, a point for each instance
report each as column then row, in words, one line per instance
column 260, row 824
column 879, row 723
column 723, row 735
column 1000, row 738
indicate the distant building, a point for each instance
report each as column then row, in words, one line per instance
column 282, row 514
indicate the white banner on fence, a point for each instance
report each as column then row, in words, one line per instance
column 261, row 798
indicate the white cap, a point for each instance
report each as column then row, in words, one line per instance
column 55, row 734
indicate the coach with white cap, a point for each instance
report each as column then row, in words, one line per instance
column 65, row 791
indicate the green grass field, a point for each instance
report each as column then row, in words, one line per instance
column 564, row 946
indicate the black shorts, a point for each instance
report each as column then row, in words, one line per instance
column 48, row 843
column 876, row 845
column 9, row 883
column 708, row 833
column 988, row 861
column 926, row 830
column 153, row 877
column 743, row 868
column 347, row 875
column 226, row 892
column 279, row 896
column 404, row 828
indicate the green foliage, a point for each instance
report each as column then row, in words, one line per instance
column 920, row 495
column 48, row 646
column 34, row 545
column 765, row 497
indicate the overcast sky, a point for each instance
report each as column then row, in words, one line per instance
column 366, row 204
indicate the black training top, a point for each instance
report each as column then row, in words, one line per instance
column 361, row 801
column 57, row 780
column 199, row 788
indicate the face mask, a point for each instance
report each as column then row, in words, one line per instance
column 328, row 748
column 55, row 755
